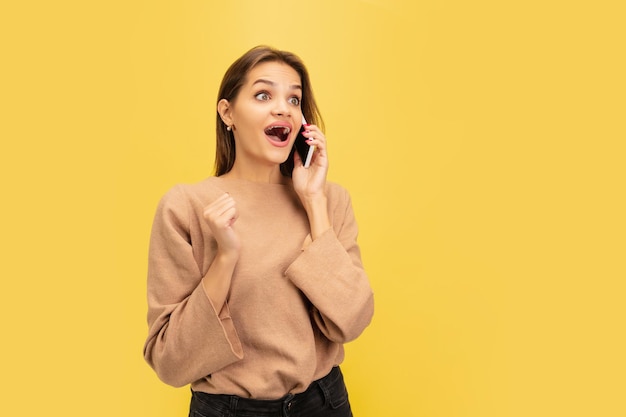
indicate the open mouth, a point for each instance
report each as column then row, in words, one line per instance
column 278, row 133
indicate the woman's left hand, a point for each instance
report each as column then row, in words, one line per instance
column 310, row 182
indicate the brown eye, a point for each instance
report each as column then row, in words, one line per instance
column 263, row 96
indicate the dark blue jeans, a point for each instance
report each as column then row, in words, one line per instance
column 326, row 397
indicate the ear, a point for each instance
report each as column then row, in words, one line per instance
column 224, row 108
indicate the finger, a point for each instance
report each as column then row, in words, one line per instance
column 223, row 220
column 315, row 131
column 230, row 217
column 319, row 144
column 312, row 128
column 315, row 138
column 225, row 216
column 215, row 209
column 219, row 206
column 222, row 197
column 220, row 200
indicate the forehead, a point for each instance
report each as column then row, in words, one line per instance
column 277, row 72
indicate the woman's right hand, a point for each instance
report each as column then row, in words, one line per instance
column 221, row 216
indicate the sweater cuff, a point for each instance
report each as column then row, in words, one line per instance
column 315, row 257
column 226, row 323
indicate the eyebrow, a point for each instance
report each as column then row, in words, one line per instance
column 273, row 84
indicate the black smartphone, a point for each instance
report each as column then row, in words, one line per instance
column 304, row 149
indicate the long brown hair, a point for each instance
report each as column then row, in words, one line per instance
column 235, row 77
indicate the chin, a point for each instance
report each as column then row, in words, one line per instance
column 279, row 159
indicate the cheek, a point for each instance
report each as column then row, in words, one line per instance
column 249, row 117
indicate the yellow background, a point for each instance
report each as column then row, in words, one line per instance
column 482, row 142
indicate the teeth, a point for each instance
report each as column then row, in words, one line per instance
column 285, row 129
column 281, row 132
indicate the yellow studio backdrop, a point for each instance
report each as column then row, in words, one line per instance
column 482, row 142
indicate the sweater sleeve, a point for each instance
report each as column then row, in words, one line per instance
column 187, row 339
column 330, row 273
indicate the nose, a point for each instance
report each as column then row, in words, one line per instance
column 281, row 108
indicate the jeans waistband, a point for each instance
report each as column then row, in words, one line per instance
column 236, row 403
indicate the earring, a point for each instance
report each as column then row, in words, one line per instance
column 229, row 128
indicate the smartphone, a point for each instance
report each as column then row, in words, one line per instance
column 304, row 149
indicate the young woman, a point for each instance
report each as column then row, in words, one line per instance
column 255, row 280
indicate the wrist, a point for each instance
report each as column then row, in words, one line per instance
column 317, row 212
column 315, row 201
column 227, row 256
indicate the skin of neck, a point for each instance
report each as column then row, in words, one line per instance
column 256, row 173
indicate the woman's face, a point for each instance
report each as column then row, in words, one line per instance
column 266, row 114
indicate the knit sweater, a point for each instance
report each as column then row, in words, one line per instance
column 293, row 302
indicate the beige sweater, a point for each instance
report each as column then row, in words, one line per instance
column 292, row 302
